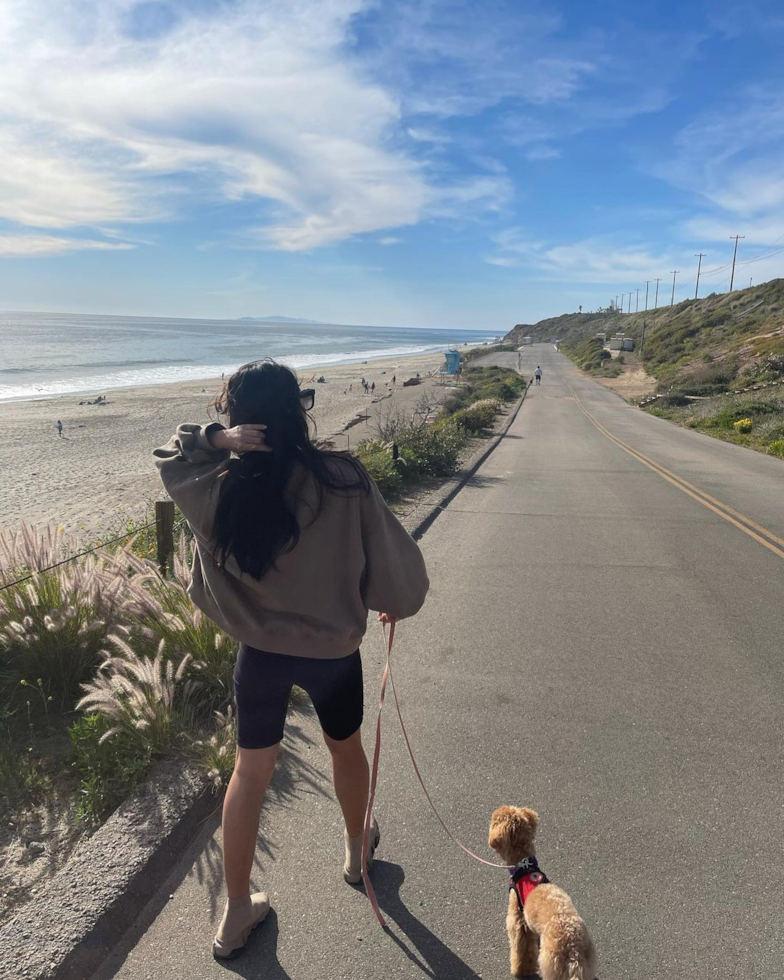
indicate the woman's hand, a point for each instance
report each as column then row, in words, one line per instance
column 385, row 618
column 241, row 439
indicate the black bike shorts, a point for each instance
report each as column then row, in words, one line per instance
column 262, row 688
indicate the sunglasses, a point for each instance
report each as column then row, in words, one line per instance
column 307, row 398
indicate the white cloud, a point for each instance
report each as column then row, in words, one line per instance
column 390, row 241
column 505, row 263
column 731, row 160
column 116, row 112
column 259, row 102
column 542, row 151
column 31, row 246
column 592, row 260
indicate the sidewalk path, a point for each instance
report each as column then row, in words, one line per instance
column 598, row 644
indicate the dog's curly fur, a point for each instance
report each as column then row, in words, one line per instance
column 548, row 933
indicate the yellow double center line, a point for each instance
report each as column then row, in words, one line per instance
column 756, row 531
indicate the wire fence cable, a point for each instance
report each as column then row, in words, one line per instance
column 81, row 554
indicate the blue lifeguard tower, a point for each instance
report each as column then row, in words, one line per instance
column 451, row 368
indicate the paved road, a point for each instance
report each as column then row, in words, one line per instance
column 599, row 644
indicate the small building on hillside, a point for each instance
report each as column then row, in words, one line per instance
column 527, row 341
column 628, row 343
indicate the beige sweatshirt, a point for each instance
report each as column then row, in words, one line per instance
column 355, row 556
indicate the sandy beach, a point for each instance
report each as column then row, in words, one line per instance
column 100, row 472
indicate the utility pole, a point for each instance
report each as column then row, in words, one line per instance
column 674, row 274
column 656, row 302
column 700, row 256
column 647, row 282
column 637, row 303
column 630, row 301
column 734, row 256
column 642, row 342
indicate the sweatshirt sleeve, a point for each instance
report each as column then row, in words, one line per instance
column 188, row 465
column 395, row 579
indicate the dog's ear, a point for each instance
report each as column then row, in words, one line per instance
column 499, row 826
column 529, row 817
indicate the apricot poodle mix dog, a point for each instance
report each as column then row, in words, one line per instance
column 542, row 923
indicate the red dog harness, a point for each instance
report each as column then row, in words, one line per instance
column 524, row 877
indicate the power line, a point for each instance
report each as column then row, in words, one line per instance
column 699, row 266
column 674, row 274
column 734, row 257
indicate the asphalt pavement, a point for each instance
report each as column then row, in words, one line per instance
column 603, row 642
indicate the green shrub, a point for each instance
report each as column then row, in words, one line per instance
column 107, row 768
column 776, row 448
column 673, row 401
column 24, row 780
column 475, row 419
column 456, row 400
column 431, row 451
column 728, row 416
column 376, row 457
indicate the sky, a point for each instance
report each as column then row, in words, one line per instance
column 423, row 163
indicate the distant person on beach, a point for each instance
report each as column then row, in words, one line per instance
column 394, row 379
column 59, row 426
column 293, row 545
column 538, row 374
column 373, row 388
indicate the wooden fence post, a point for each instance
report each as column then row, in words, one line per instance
column 164, row 529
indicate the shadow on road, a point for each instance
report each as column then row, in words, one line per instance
column 294, row 779
column 424, row 949
column 262, row 948
column 479, row 481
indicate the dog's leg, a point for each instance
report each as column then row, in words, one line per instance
column 523, row 943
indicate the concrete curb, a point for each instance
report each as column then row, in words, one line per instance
column 74, row 922
column 423, row 516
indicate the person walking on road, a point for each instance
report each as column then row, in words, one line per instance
column 59, row 426
column 293, row 546
column 538, row 374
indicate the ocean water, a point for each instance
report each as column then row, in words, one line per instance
column 45, row 354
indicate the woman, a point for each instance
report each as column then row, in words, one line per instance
column 293, row 546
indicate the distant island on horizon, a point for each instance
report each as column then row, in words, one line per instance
column 278, row 319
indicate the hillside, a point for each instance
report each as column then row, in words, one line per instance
column 700, row 346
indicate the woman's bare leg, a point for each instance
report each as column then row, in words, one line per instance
column 241, row 813
column 351, row 776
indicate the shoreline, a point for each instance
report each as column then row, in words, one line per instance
column 100, row 472
column 318, row 366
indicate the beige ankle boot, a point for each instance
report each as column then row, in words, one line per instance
column 240, row 918
column 352, row 869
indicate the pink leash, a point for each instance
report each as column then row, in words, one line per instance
column 387, row 676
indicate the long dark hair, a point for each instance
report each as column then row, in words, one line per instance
column 255, row 519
